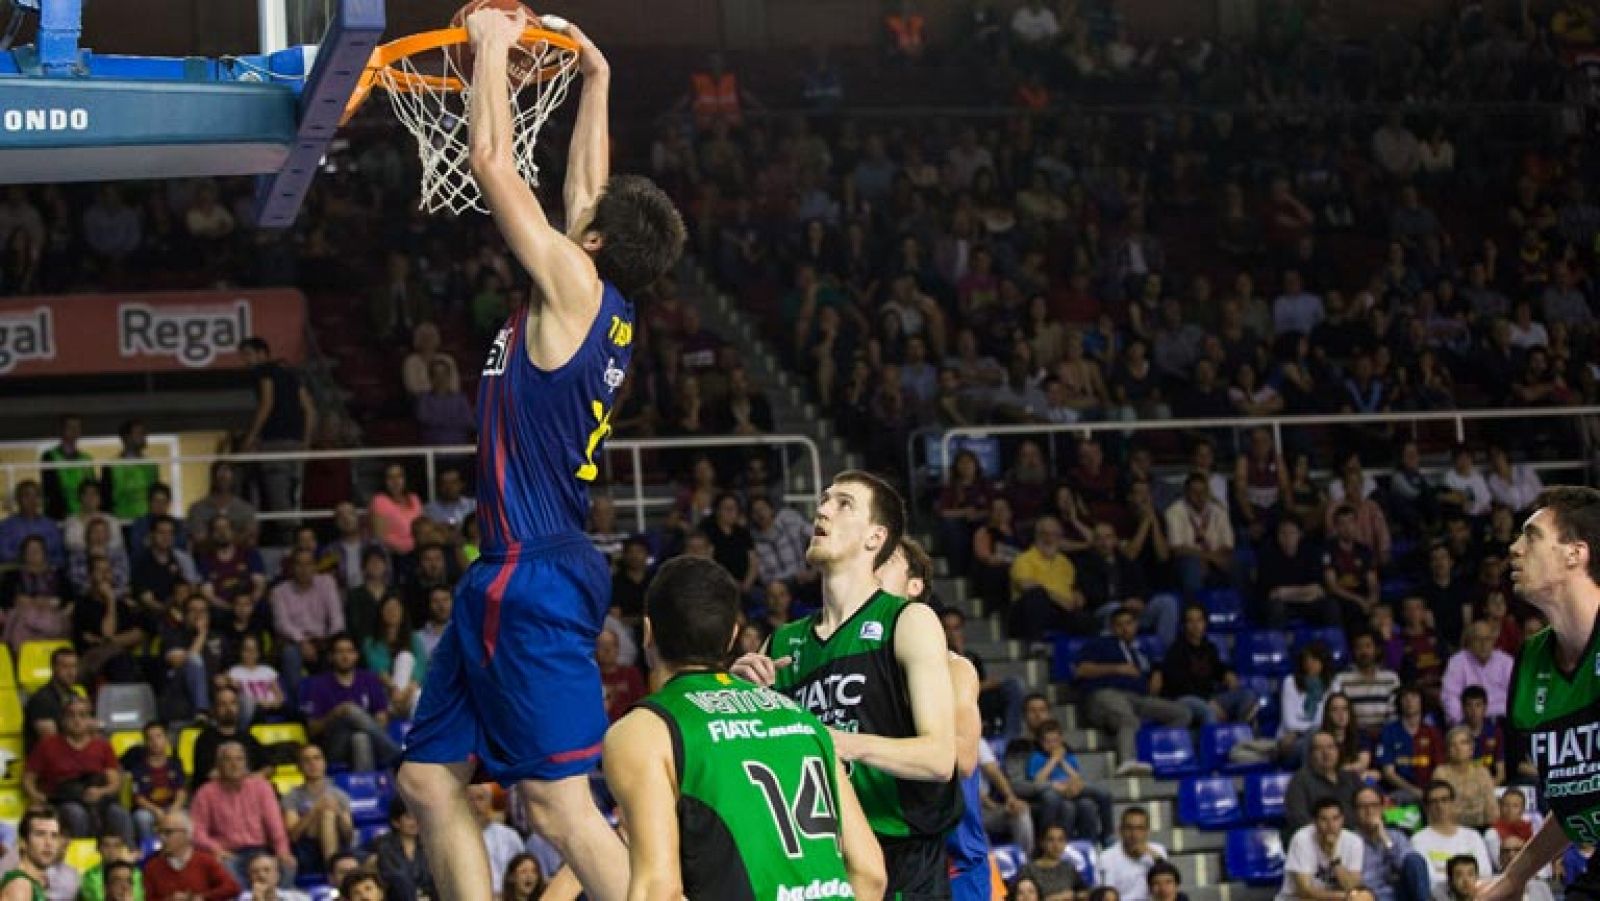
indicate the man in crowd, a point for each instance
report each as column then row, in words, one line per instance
column 451, row 506
column 30, row 519
column 1349, row 569
column 1480, row 663
column 317, row 814
column 77, row 771
column 127, row 486
column 1289, row 581
column 226, row 727
column 306, row 611
column 781, row 538
column 501, row 840
column 1324, row 860
column 1488, row 736
column 1445, row 838
column 41, row 842
column 1320, row 778
column 222, row 500
column 229, row 569
column 1408, row 750
column 1115, row 677
column 1126, row 865
column 236, row 816
column 1369, row 686
column 42, row 715
column 1388, row 865
column 71, row 468
column 182, row 872
column 1044, row 592
column 161, row 567
column 347, row 710
column 1200, row 536
column 285, row 419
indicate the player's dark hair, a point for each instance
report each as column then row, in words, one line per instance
column 35, row 815
column 1162, row 868
column 692, row 606
column 887, row 509
column 1577, row 516
column 919, row 565
column 643, row 233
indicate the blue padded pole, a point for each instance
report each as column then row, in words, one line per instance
column 343, row 55
column 344, row 52
column 60, row 25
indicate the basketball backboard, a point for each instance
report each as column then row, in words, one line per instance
column 71, row 114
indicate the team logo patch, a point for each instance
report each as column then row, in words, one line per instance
column 1539, row 698
column 496, row 364
column 613, row 376
column 872, row 631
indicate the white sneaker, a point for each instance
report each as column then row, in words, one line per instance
column 1133, row 768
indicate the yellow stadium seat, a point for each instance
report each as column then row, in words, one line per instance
column 33, row 668
column 8, row 668
column 122, row 741
column 277, row 733
column 12, row 760
column 11, row 718
column 83, row 854
column 13, row 804
column 286, row 778
column 186, row 740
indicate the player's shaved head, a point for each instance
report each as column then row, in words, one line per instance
column 691, row 610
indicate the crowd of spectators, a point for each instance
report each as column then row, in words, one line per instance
column 1268, row 252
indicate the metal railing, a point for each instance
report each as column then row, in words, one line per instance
column 1238, row 425
column 802, row 492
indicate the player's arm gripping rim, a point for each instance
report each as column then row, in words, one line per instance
column 930, row 756
column 589, row 153
column 562, row 272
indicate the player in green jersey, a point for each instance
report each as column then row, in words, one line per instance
column 40, row 831
column 874, row 668
column 729, row 790
column 1555, row 687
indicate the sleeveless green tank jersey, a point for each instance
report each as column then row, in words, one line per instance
column 758, row 806
column 13, row 875
column 1560, row 715
column 853, row 683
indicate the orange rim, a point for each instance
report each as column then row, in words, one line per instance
column 380, row 68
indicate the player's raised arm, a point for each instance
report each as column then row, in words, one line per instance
column 589, row 154
column 564, row 274
column 929, row 756
column 863, row 857
column 639, row 772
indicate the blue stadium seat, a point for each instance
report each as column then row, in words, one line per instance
column 1254, row 856
column 1330, row 636
column 1217, row 740
column 1151, row 646
column 1084, row 858
column 1393, row 589
column 1269, row 692
column 370, row 794
column 1262, row 652
column 365, row 835
column 322, row 893
column 1008, row 859
column 1224, row 608
column 1210, row 802
column 1169, row 751
column 1064, row 657
column 1263, row 797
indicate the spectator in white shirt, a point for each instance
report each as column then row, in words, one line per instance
column 1515, row 487
column 1200, row 536
column 1445, row 838
column 1323, row 862
column 1296, row 310
column 501, row 840
column 1125, row 865
column 1464, row 486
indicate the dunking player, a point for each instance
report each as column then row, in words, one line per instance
column 513, row 681
column 1555, row 688
column 907, row 574
column 694, row 763
column 873, row 666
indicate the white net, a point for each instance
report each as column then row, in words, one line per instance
column 431, row 94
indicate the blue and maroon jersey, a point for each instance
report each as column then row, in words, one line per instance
column 540, row 432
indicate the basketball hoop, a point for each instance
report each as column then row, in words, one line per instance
column 430, row 94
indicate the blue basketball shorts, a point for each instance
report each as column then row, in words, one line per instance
column 513, row 679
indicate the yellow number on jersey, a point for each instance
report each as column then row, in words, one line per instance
column 620, row 333
column 588, row 471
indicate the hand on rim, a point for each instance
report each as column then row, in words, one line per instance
column 496, row 27
column 591, row 61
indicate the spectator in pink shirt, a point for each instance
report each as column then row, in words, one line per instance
column 1479, row 663
column 392, row 511
column 306, row 612
column 236, row 817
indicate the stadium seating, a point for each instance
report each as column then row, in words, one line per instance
column 8, row 668
column 365, row 834
column 1064, row 657
column 1217, row 739
column 1332, row 637
column 1262, row 652
column 1008, row 859
column 12, row 760
column 186, row 740
column 33, row 665
column 1254, row 856
column 370, row 794
column 1169, row 751
column 279, row 733
column 125, row 706
column 83, row 854
column 1209, row 802
column 1084, row 857
column 122, row 741
column 12, row 805
column 1263, row 796
column 1224, row 608
column 11, row 716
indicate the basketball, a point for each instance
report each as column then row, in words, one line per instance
column 520, row 67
